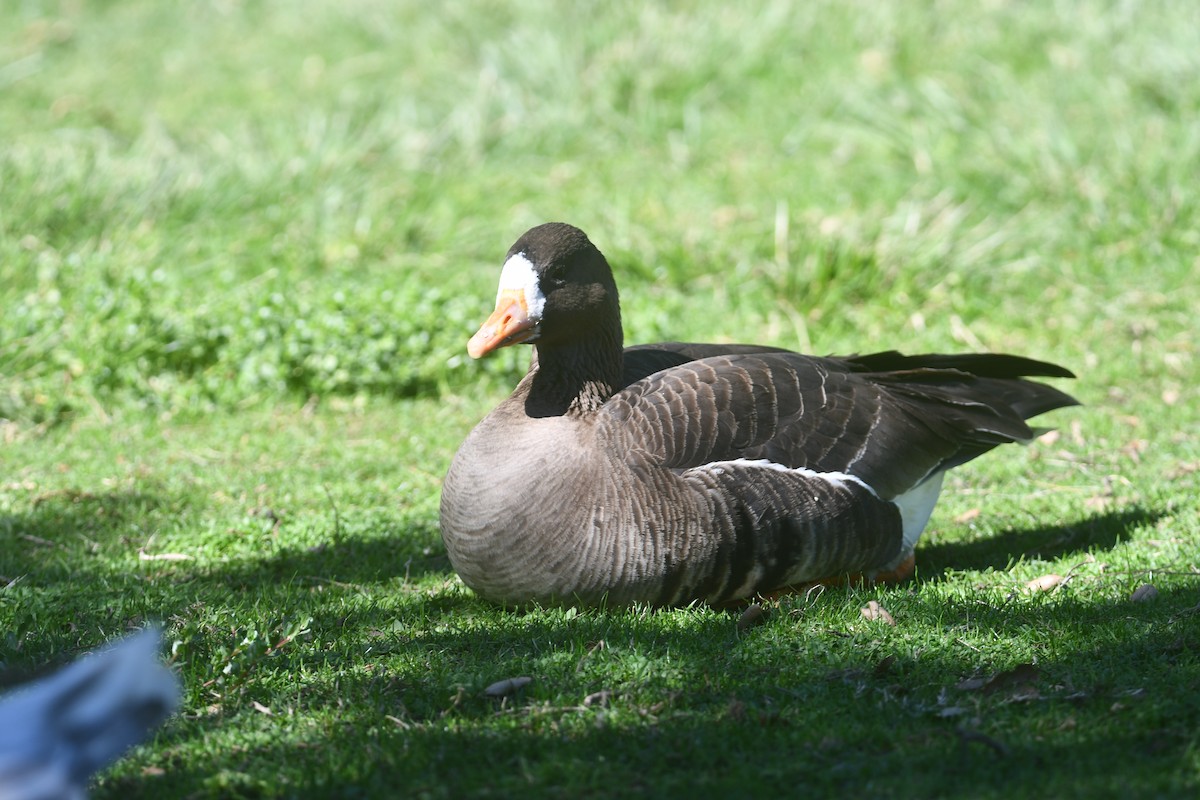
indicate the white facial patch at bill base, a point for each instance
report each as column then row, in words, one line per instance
column 519, row 275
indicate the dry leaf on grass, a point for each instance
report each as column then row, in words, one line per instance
column 507, row 686
column 1021, row 674
column 967, row 516
column 1021, row 681
column 1134, row 449
column 1045, row 583
column 1183, row 468
column 1049, row 437
column 873, row 611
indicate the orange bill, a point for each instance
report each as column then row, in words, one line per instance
column 508, row 324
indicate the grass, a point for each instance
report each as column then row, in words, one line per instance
column 242, row 246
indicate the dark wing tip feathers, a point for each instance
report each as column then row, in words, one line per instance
column 981, row 365
column 995, row 379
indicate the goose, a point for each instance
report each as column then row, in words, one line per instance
column 674, row 473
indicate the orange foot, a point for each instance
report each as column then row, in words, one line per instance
column 897, row 574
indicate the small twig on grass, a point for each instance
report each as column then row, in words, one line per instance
column 532, row 711
column 592, row 648
column 1185, row 613
column 1152, row 571
column 74, row 494
column 337, row 517
column 1071, row 572
column 456, row 701
column 967, row 736
column 97, row 408
column 29, row 537
column 329, row 581
column 144, row 556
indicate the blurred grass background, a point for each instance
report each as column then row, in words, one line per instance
column 216, row 202
column 242, row 245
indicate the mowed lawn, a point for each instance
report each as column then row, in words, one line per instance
column 242, row 247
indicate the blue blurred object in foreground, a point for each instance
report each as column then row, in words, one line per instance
column 55, row 733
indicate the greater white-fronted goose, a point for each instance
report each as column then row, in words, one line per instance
column 670, row 473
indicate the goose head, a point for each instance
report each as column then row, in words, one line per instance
column 556, row 290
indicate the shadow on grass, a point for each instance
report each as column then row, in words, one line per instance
column 412, row 555
column 410, row 546
column 417, row 552
column 1048, row 542
column 75, row 523
column 722, row 712
column 70, row 518
column 393, row 692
